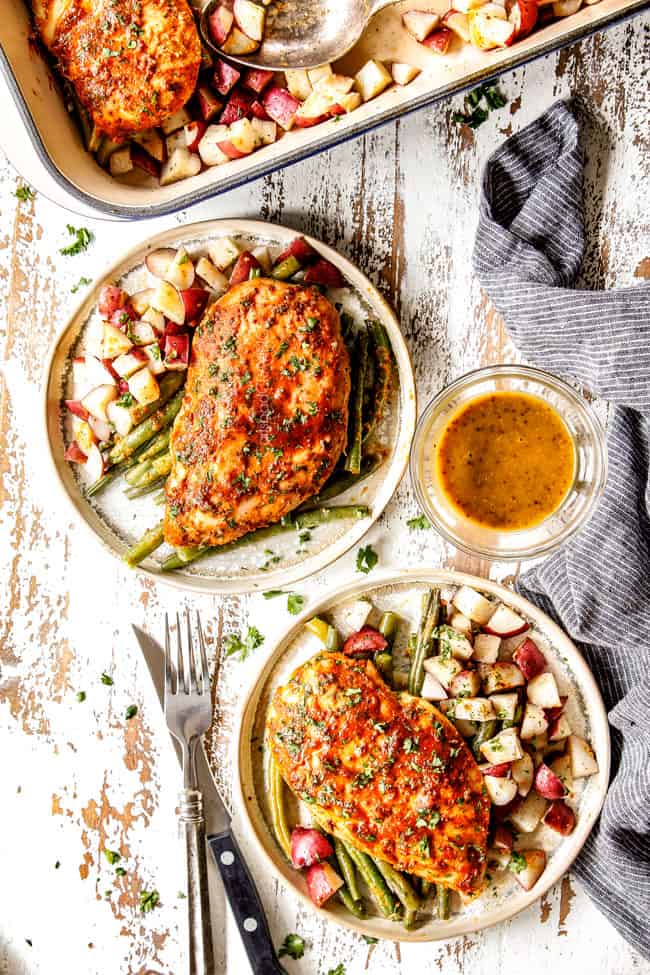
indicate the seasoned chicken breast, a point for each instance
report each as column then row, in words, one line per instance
column 385, row 771
column 133, row 63
column 264, row 418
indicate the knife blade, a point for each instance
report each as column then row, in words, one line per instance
column 238, row 883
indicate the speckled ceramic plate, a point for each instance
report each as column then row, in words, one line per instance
column 118, row 522
column 401, row 592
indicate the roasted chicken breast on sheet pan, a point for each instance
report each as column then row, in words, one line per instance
column 264, row 418
column 132, row 63
column 385, row 771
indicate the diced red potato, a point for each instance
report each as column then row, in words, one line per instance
column 458, row 23
column 501, row 771
column 473, row 605
column 240, row 139
column 158, row 262
column 114, row 341
column 194, row 300
column 503, row 747
column 98, row 399
column 125, row 365
column 432, row 689
column 91, row 372
column 538, row 745
column 443, row 669
column 504, row 622
column 548, row 784
column 439, row 41
column 281, row 106
column 500, row 677
column 553, row 713
column 497, row 857
column 503, row 838
column 155, row 318
column 141, row 300
column 500, row 790
column 529, row 658
column 176, row 121
column 154, row 358
column 85, row 435
column 176, row 140
column 317, row 108
column 209, row 104
column 209, row 147
column 244, row 264
column 250, row 18
column 225, row 76
column 559, row 728
column 465, row 684
column 182, row 164
column 308, row 846
column 486, row 648
column 488, row 29
column 180, row 270
column 77, row 408
column 142, row 160
column 366, row 642
column 461, row 623
column 316, row 75
column 258, row 111
column 465, row 6
column 534, row 721
column 505, row 705
column 300, row 249
column 74, row 453
column 194, row 132
column 238, row 106
column 560, row 818
column 223, row 252
column 322, row 882
column 325, row 273
column 120, row 416
column 94, row 465
column 167, row 299
column 403, row 74
column 238, row 44
column 455, row 643
column 508, row 646
column 528, row 874
column 542, row 691
column 120, row 161
column 111, row 299
column 523, row 15
column 526, row 816
column 473, row 709
column 565, row 8
column 298, row 83
column 143, row 386
column 212, row 276
column 122, row 316
column 177, row 351
column 523, row 772
column 220, row 23
column 256, row 79
column 372, row 79
column 420, row 23
column 152, row 143
column 581, row 755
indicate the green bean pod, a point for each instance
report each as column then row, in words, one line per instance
column 424, row 646
column 347, row 868
column 400, row 886
column 278, row 811
column 383, row 363
column 442, row 902
column 355, row 421
column 379, row 889
column 487, row 730
column 162, row 417
column 150, row 541
column 287, row 268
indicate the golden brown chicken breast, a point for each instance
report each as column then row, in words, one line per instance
column 264, row 419
column 132, row 63
column 384, row 771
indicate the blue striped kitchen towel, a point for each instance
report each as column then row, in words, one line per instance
column 528, row 252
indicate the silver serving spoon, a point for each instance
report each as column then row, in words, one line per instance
column 303, row 33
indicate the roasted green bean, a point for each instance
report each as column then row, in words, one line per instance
column 424, row 646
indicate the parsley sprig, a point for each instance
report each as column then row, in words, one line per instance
column 475, row 114
column 367, row 559
column 293, row 946
column 82, row 238
column 236, row 645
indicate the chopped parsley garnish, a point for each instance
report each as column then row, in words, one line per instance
column 282, row 348
column 423, row 846
column 148, row 900
column 367, row 559
column 272, row 593
column 82, row 238
column 57, row 864
column 427, row 818
column 126, row 400
column 81, row 283
column 411, row 745
column 474, row 114
column 293, row 946
column 120, row 872
column 517, row 862
column 418, row 524
column 24, row 193
column 81, row 696
column 235, row 645
column 131, row 712
column 295, row 602
column 112, row 856
column 106, row 679
column 369, row 940
column 304, row 537
column 339, row 970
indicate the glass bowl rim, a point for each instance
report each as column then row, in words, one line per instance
column 544, row 378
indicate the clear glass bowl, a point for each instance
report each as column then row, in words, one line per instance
column 579, row 502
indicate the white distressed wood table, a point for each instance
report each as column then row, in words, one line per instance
column 76, row 777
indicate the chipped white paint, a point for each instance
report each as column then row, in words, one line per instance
column 76, row 777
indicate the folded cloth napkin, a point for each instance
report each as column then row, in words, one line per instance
column 528, row 251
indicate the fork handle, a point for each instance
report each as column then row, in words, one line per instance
column 200, row 931
column 245, row 904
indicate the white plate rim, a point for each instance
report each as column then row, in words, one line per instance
column 397, row 465
column 564, row 855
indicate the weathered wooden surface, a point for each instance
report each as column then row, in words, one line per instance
column 75, row 776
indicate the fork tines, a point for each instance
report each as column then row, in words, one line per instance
column 189, row 673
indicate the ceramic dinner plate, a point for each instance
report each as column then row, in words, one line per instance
column 400, row 592
column 280, row 561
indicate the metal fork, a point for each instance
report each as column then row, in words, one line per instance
column 188, row 714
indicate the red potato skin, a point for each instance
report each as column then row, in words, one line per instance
column 523, row 14
column 548, row 784
column 552, row 714
column 144, row 161
column 225, row 76
column 280, row 105
column 506, row 636
column 75, row 454
column 108, row 365
column 255, row 79
column 529, row 658
column 258, row 111
column 110, row 299
column 300, row 249
column 561, row 818
column 439, row 41
column 318, row 885
column 209, row 104
column 500, row 771
column 243, row 267
column 503, row 838
column 218, row 24
column 194, row 301
column 194, row 132
column 76, row 407
column 238, row 106
column 322, row 272
column 308, row 847
column 122, row 316
column 177, row 351
column 230, row 150
column 365, row 642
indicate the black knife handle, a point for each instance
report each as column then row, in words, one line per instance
column 245, row 904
